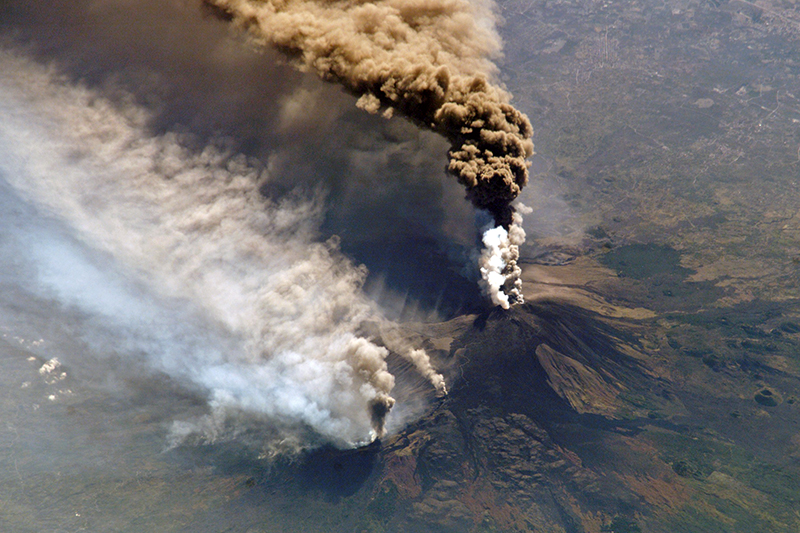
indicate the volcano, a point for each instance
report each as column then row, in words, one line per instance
column 539, row 433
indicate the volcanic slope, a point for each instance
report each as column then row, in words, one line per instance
column 515, row 445
column 539, row 433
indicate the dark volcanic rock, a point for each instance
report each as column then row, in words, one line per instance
column 513, row 447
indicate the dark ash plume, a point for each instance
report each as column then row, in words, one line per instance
column 426, row 59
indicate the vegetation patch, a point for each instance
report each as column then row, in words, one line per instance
column 380, row 509
column 767, row 397
column 644, row 261
column 622, row 524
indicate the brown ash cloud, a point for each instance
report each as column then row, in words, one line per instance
column 426, row 59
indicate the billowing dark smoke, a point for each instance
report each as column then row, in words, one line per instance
column 427, row 59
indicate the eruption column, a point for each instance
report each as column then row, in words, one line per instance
column 427, row 59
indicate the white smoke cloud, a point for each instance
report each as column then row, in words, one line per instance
column 394, row 340
column 422, row 362
column 173, row 255
column 500, row 274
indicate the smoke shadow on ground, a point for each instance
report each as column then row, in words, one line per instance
column 326, row 471
column 414, row 278
column 337, row 473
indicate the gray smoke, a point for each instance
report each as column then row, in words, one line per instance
column 393, row 339
column 175, row 255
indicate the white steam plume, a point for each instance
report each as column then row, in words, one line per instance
column 500, row 274
column 175, row 255
column 422, row 362
column 394, row 340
